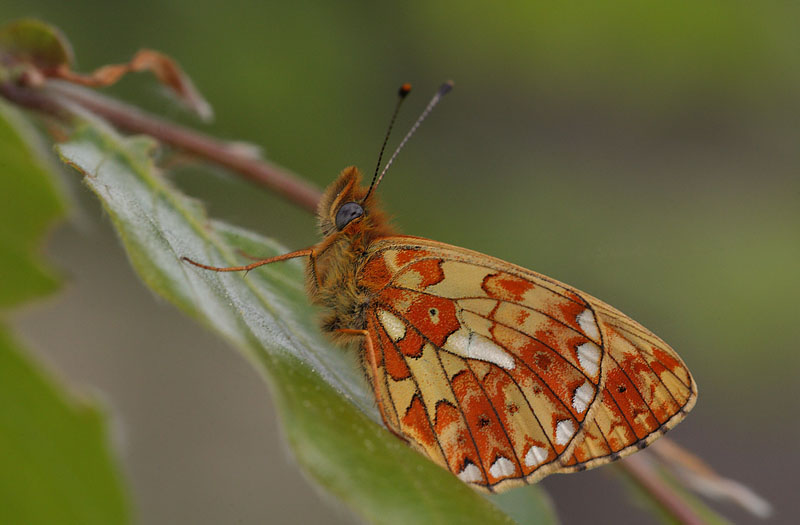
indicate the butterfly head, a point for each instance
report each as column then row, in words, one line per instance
column 346, row 208
column 351, row 209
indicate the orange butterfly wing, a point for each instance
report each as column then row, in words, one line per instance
column 494, row 371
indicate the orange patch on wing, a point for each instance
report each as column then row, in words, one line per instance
column 482, row 420
column 630, row 402
column 506, row 287
column 429, row 270
column 434, row 317
column 393, row 362
column 613, row 424
column 568, row 312
column 375, row 274
column 454, row 437
column 546, row 364
column 497, row 384
column 593, row 445
column 412, row 344
column 417, row 425
column 678, row 392
column 673, row 364
column 547, row 407
column 544, row 328
column 649, row 386
column 561, row 341
column 407, row 255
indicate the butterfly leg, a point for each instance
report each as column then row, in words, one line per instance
column 310, row 253
column 248, row 256
column 312, row 257
column 373, row 363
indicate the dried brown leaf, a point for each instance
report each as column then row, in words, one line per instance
column 166, row 70
column 31, row 51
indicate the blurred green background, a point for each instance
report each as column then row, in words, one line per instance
column 645, row 154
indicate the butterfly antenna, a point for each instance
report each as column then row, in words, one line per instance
column 442, row 91
column 404, row 90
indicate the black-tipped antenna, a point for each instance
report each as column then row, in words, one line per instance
column 442, row 91
column 404, row 90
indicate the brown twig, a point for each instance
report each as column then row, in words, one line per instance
column 31, row 99
column 698, row 475
column 643, row 472
column 55, row 99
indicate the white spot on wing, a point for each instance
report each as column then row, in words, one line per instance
column 475, row 346
column 582, row 397
column 393, row 325
column 565, row 429
column 470, row 474
column 535, row 456
column 588, row 325
column 589, row 358
column 502, row 468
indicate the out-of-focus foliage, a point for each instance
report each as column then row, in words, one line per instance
column 55, row 462
column 30, row 205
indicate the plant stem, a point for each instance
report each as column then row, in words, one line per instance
column 642, row 471
column 55, row 98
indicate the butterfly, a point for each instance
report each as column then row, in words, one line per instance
column 497, row 373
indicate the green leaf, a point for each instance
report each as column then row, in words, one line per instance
column 30, row 207
column 55, row 465
column 31, row 41
column 54, row 454
column 325, row 406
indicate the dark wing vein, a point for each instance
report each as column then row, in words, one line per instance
column 418, row 392
column 467, row 297
column 385, row 372
column 630, row 379
column 644, row 357
column 533, row 411
column 516, row 358
column 624, row 418
column 497, row 415
column 652, row 356
column 447, row 381
column 504, row 325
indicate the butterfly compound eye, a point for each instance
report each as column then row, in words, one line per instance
column 347, row 213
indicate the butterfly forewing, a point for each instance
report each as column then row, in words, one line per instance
column 496, row 372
